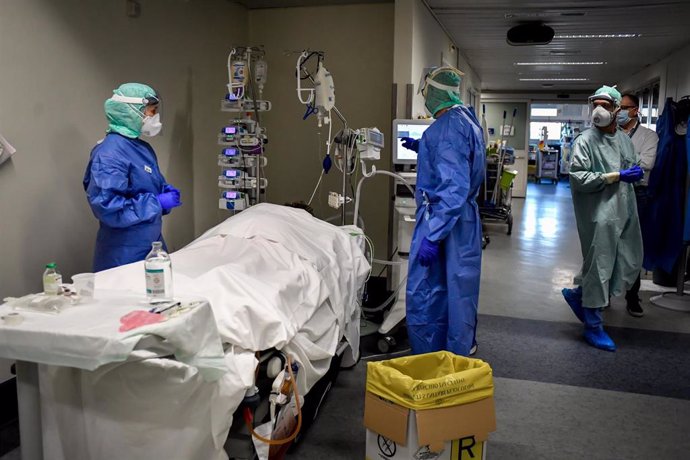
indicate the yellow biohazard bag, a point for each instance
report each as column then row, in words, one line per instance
column 430, row 381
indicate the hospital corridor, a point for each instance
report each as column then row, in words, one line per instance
column 558, row 398
column 344, row 230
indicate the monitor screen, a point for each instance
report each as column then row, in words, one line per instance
column 407, row 128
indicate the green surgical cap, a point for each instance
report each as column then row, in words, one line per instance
column 439, row 99
column 124, row 118
column 607, row 92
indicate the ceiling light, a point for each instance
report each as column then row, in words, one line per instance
column 564, row 52
column 561, row 63
column 554, row 79
column 524, row 15
column 532, row 15
column 578, row 36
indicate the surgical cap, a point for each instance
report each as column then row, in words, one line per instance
column 608, row 93
column 439, row 99
column 125, row 118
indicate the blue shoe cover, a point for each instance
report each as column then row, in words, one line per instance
column 598, row 338
column 574, row 299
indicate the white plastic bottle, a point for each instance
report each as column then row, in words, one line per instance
column 158, row 268
column 52, row 279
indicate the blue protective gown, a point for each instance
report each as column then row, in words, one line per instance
column 664, row 243
column 122, row 183
column 442, row 299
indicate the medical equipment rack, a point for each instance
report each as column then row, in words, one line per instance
column 495, row 202
column 547, row 165
column 242, row 159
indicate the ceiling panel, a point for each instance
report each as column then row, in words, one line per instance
column 479, row 29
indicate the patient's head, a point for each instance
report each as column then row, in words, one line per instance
column 301, row 205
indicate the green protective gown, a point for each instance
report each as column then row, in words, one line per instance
column 606, row 216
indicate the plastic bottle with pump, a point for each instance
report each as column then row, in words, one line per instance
column 158, row 269
column 52, row 279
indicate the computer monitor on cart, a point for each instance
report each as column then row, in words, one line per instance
column 407, row 128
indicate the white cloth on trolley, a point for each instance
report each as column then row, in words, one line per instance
column 275, row 277
column 86, row 335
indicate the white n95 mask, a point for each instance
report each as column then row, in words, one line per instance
column 151, row 126
column 601, row 117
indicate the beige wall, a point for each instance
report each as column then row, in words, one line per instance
column 358, row 42
column 53, row 85
column 673, row 73
column 60, row 61
column 494, row 119
column 421, row 42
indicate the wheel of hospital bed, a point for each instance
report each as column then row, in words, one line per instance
column 386, row 344
column 239, row 445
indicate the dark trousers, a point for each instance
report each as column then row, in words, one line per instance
column 642, row 197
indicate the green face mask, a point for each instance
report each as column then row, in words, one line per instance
column 438, row 99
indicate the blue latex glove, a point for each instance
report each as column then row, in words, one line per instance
column 170, row 188
column 631, row 175
column 169, row 200
column 428, row 252
column 411, row 144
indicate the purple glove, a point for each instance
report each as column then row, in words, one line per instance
column 170, row 188
column 411, row 144
column 169, row 200
column 631, row 175
column 428, row 252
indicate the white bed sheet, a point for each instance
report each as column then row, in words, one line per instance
column 266, row 273
column 275, row 277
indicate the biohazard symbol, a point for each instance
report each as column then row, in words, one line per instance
column 386, row 446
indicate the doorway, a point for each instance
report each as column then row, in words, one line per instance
column 552, row 130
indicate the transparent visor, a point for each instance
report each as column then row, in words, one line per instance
column 603, row 100
column 428, row 75
column 134, row 102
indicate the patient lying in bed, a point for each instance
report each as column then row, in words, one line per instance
column 275, row 277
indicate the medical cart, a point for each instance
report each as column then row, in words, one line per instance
column 495, row 199
column 547, row 165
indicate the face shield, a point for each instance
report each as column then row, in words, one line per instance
column 148, row 100
column 427, row 79
column 441, row 88
column 151, row 124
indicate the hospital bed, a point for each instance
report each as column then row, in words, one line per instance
column 275, row 279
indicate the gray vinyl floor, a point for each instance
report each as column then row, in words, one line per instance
column 556, row 397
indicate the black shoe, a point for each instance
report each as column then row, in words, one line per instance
column 634, row 308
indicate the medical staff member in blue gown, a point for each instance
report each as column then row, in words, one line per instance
column 603, row 169
column 124, row 185
column 446, row 252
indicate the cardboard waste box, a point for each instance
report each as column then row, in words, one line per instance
column 437, row 406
